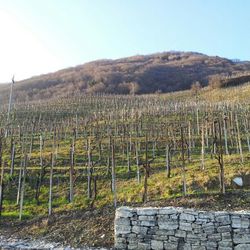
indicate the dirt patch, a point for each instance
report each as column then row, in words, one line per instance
column 231, row 201
column 76, row 228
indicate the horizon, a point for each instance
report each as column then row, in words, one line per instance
column 56, row 35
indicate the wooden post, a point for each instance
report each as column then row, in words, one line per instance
column 183, row 163
column 146, row 174
column 51, row 183
column 71, row 171
column 137, row 162
column 114, row 174
column 23, row 187
column 2, row 177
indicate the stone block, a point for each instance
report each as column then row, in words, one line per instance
column 168, row 225
column 224, row 229
column 121, row 229
column 186, row 246
column 206, row 215
column 135, row 222
column 160, row 237
column 198, row 248
column 120, row 246
column 165, row 232
column 171, row 245
column 200, row 221
column 208, row 228
column 174, row 216
column 132, row 237
column 149, row 217
column 132, row 246
column 153, row 230
column 147, row 223
column 241, row 238
column 167, row 210
column 214, row 237
column 226, row 244
column 185, row 226
column 240, row 222
column 157, row 245
column 123, row 221
column 147, row 211
column 223, row 218
column 139, row 230
column 187, row 217
column 226, row 236
column 173, row 239
column 211, row 245
column 144, row 246
column 163, row 217
column 180, row 234
column 242, row 247
column 124, row 212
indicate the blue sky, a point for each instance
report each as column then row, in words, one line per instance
column 46, row 35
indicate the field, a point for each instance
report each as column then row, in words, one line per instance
column 96, row 152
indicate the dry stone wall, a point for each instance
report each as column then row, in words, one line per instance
column 177, row 228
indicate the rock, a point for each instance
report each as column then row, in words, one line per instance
column 156, row 245
column 208, row 228
column 223, row 229
column 239, row 222
column 164, row 232
column 147, row 211
column 185, row 226
column 198, row 248
column 122, row 221
column 211, row 245
column 132, row 246
column 241, row 238
column 180, row 233
column 149, row 217
column 13, row 243
column 223, row 219
column 206, row 215
column 226, row 244
column 143, row 246
column 242, row 247
column 171, row 245
column 187, row 217
column 122, row 229
column 238, row 181
column 168, row 225
column 226, row 236
column 124, row 212
column 148, row 223
column 139, row 230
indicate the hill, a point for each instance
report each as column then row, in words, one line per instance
column 161, row 72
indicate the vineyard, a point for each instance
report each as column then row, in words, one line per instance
column 108, row 150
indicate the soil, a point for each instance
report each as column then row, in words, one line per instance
column 95, row 227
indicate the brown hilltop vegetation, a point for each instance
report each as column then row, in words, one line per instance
column 161, row 72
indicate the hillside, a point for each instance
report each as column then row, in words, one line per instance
column 143, row 128
column 161, row 72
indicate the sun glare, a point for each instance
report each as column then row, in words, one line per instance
column 21, row 52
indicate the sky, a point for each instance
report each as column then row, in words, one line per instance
column 41, row 36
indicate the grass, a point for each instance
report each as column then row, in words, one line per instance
column 129, row 191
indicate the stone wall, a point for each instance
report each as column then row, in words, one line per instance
column 178, row 228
